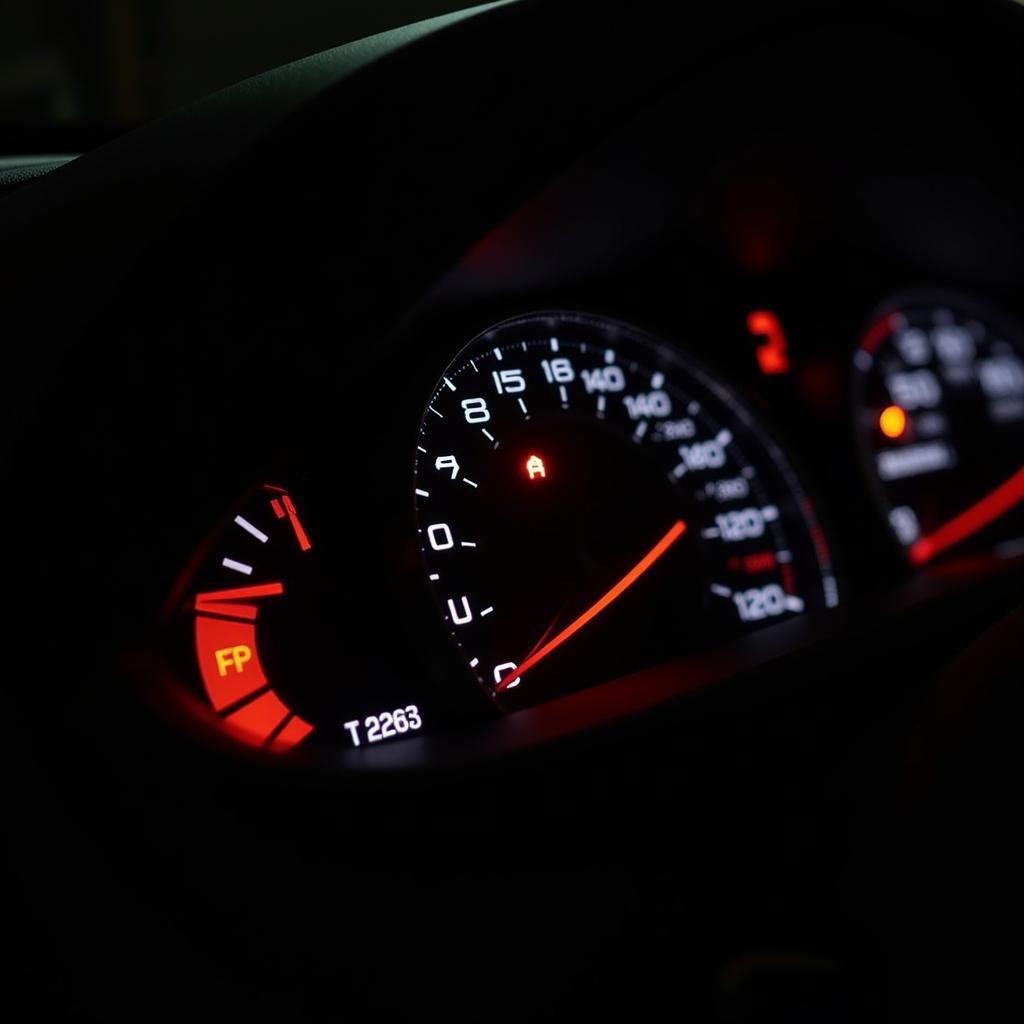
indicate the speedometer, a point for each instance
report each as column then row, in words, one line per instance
column 590, row 501
column 939, row 407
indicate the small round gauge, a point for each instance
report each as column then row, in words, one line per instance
column 939, row 414
column 589, row 501
column 254, row 629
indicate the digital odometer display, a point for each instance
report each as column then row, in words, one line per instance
column 590, row 501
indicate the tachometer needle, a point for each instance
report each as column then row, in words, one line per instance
column 599, row 605
column 995, row 504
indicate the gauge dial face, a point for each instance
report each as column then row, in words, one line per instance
column 255, row 629
column 939, row 407
column 589, row 502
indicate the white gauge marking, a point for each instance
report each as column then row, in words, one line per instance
column 564, row 396
column 468, row 544
column 447, row 462
column 554, row 344
column 449, row 384
column 915, row 460
column 770, row 513
column 460, row 618
column 831, row 591
column 717, row 588
column 466, row 480
column 497, row 354
column 487, row 611
column 794, row 603
column 601, row 403
column 423, row 494
column 419, row 449
column 230, row 563
column 435, row 412
column 710, row 532
column 783, row 557
column 474, row 663
column 609, row 356
column 680, row 471
column 435, row 575
column 657, row 381
column 522, row 405
column 249, row 528
column 487, row 434
column 724, row 437
column 748, row 472
column 693, row 408
column 862, row 360
column 641, row 429
column 473, row 364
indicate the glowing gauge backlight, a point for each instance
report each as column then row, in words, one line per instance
column 590, row 501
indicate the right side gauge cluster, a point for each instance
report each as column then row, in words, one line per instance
column 938, row 390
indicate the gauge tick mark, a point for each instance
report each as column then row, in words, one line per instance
column 249, row 528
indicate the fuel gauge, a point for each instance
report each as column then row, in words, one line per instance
column 265, row 632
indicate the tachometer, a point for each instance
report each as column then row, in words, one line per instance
column 939, row 407
column 590, row 501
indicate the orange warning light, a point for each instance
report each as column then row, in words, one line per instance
column 535, row 466
column 893, row 421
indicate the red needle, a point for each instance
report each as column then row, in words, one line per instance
column 995, row 504
column 599, row 605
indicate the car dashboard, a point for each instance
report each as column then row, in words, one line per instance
column 492, row 504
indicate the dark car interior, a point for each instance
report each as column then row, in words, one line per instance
column 521, row 516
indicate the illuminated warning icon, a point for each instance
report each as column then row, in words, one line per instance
column 535, row 466
column 235, row 656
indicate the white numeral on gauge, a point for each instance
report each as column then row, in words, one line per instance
column 440, row 537
column 475, row 410
column 558, row 371
column 509, row 382
column 460, row 616
column 760, row 603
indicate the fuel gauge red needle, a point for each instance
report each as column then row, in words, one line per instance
column 995, row 504
column 599, row 605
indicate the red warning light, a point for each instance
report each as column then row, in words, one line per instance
column 771, row 353
column 535, row 467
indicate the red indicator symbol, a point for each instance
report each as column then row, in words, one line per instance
column 758, row 562
column 293, row 517
column 995, row 504
column 771, row 354
column 535, row 467
column 598, row 606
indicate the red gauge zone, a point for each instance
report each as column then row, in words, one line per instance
column 590, row 501
column 226, row 623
